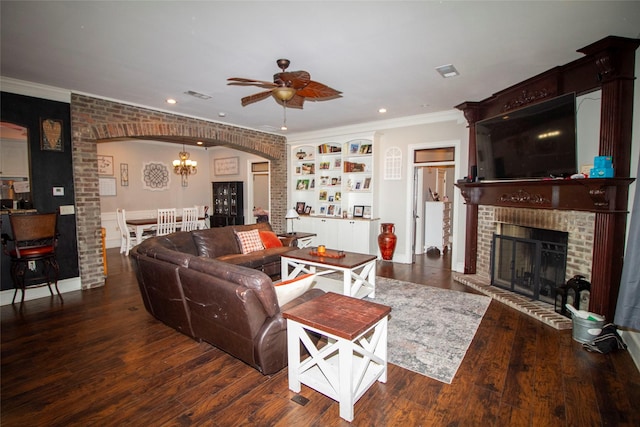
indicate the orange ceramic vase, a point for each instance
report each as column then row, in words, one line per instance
column 387, row 240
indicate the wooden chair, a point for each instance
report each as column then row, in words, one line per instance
column 189, row 219
column 127, row 233
column 166, row 221
column 35, row 239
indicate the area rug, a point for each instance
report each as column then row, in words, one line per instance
column 430, row 329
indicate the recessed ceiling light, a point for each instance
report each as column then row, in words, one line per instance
column 382, row 110
column 171, row 101
column 447, row 71
column 199, row 142
column 222, row 114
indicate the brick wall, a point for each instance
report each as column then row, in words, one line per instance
column 580, row 227
column 94, row 119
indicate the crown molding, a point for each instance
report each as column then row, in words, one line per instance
column 377, row 126
column 36, row 90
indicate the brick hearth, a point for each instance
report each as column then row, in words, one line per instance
column 580, row 227
column 537, row 309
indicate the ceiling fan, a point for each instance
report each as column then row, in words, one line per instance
column 289, row 88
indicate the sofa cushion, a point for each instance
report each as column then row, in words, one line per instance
column 215, row 242
column 293, row 288
column 270, row 239
column 249, row 241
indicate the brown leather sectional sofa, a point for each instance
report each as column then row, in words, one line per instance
column 199, row 283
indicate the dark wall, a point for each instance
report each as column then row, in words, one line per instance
column 48, row 169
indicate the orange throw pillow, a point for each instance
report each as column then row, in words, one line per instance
column 270, row 239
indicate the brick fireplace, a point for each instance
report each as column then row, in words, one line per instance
column 608, row 66
column 580, row 227
column 577, row 207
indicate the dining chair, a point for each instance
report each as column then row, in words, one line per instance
column 35, row 239
column 189, row 219
column 127, row 233
column 166, row 221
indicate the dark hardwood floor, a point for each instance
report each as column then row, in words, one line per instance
column 100, row 359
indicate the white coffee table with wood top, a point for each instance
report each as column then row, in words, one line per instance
column 358, row 270
column 355, row 354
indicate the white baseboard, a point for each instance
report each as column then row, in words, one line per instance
column 65, row 285
column 632, row 339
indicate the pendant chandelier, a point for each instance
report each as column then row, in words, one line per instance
column 185, row 167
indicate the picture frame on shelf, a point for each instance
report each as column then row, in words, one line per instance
column 338, row 211
column 358, row 211
column 323, row 209
column 337, row 163
column 331, row 209
column 354, row 147
column 308, row 168
column 330, row 199
column 312, row 185
column 365, row 149
column 307, row 210
column 303, row 184
column 367, row 183
column 358, row 185
column 338, row 196
column 300, row 207
column 366, row 212
column 323, row 195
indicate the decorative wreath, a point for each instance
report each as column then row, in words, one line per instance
column 155, row 176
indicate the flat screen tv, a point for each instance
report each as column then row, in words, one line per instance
column 538, row 141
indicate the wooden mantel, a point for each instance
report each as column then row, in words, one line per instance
column 592, row 195
column 608, row 65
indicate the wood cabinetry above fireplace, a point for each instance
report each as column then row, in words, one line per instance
column 593, row 194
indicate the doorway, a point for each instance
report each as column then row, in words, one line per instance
column 259, row 193
column 434, row 170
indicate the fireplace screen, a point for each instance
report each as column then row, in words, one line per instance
column 528, row 266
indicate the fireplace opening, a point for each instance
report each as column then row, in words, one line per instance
column 529, row 261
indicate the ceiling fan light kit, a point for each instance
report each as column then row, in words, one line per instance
column 284, row 93
column 289, row 88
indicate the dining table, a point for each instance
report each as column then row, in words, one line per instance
column 144, row 224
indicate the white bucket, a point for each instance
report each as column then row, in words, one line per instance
column 585, row 330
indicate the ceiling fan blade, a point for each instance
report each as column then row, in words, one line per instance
column 294, row 79
column 319, row 91
column 255, row 97
column 295, row 102
column 238, row 81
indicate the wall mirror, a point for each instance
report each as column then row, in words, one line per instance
column 14, row 166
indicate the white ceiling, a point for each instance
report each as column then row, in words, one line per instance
column 378, row 53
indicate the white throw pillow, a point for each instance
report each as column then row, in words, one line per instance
column 249, row 241
column 291, row 289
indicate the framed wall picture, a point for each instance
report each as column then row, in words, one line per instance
column 51, row 135
column 358, row 211
column 105, row 165
column 124, row 174
column 226, row 166
column 106, row 186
